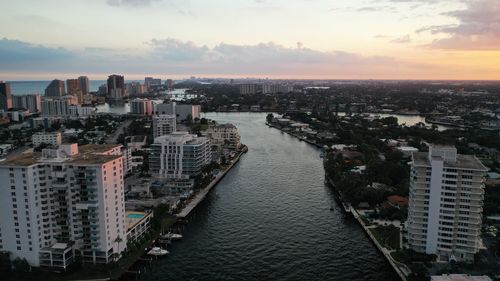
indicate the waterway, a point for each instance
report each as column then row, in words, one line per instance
column 270, row 219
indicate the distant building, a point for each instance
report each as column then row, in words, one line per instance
column 135, row 88
column 179, row 155
column 64, row 200
column 248, row 89
column 5, row 96
column 170, row 84
column 445, row 204
column 142, row 107
column 150, row 81
column 33, row 103
column 102, row 90
column 50, row 138
column 55, row 89
column 116, row 87
column 84, row 84
column 163, row 124
column 73, row 88
column 224, row 135
column 65, row 107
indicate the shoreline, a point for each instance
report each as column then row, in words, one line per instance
column 349, row 210
column 200, row 196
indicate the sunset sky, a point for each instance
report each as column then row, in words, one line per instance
column 336, row 39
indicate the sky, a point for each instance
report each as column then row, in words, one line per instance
column 282, row 39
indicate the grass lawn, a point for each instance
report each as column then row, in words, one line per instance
column 387, row 236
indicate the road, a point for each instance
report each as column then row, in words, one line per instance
column 113, row 138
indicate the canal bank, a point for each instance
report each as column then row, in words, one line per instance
column 401, row 270
column 203, row 193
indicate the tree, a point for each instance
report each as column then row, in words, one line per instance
column 269, row 117
column 118, row 240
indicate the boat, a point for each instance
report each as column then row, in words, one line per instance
column 172, row 236
column 157, row 251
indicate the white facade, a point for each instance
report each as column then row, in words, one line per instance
column 33, row 103
column 248, row 89
column 184, row 111
column 163, row 124
column 179, row 155
column 224, row 135
column 445, row 204
column 66, row 194
column 181, row 111
column 50, row 138
column 66, row 106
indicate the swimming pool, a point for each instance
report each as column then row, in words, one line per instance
column 135, row 216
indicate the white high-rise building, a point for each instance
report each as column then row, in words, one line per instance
column 163, row 124
column 33, row 103
column 446, row 199
column 66, row 106
column 179, row 155
column 63, row 200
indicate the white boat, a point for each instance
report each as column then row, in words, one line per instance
column 157, row 251
column 172, row 236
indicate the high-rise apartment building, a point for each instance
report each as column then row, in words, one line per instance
column 150, row 81
column 143, row 107
column 116, row 87
column 64, row 107
column 179, row 155
column 55, row 89
column 170, row 84
column 5, row 96
column 248, row 89
column 73, row 88
column 63, row 200
column 446, row 199
column 181, row 111
column 135, row 88
column 163, row 124
column 84, row 84
column 33, row 103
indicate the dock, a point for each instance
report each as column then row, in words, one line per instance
column 203, row 193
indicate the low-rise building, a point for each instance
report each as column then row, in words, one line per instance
column 49, row 138
column 224, row 135
column 138, row 224
column 178, row 155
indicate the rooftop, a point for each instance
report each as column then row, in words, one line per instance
column 88, row 154
column 463, row 161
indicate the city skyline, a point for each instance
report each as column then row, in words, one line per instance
column 383, row 39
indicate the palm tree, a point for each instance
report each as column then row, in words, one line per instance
column 118, row 240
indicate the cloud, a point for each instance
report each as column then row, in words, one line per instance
column 176, row 57
column 135, row 3
column 402, row 39
column 18, row 52
column 478, row 27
